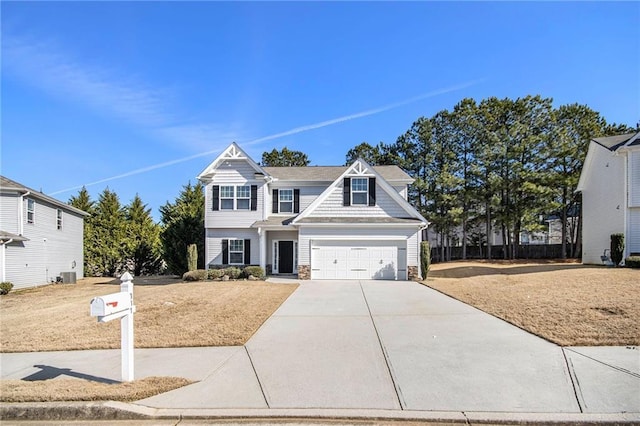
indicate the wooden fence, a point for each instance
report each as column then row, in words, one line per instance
column 528, row 251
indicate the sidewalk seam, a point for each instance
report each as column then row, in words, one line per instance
column 577, row 392
column 264, row 395
column 384, row 352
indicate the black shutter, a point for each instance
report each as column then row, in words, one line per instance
column 247, row 252
column 225, row 252
column 346, row 192
column 274, row 201
column 216, row 197
column 296, row 201
column 372, row 191
column 254, row 197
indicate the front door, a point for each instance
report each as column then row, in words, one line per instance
column 285, row 257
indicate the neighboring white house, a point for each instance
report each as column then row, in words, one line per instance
column 610, row 186
column 40, row 237
column 344, row 222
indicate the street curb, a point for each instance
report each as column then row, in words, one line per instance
column 113, row 410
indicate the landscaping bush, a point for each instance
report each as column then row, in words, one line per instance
column 215, row 274
column 425, row 258
column 632, row 262
column 192, row 257
column 197, row 275
column 233, row 272
column 256, row 271
column 617, row 248
column 5, row 287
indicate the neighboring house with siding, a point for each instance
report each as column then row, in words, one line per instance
column 344, row 222
column 610, row 186
column 40, row 237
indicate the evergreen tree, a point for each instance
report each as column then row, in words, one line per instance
column 83, row 202
column 142, row 238
column 183, row 224
column 107, row 247
column 284, row 158
column 371, row 154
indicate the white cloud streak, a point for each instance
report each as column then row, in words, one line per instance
column 290, row 132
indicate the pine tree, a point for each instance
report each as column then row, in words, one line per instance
column 183, row 224
column 142, row 238
column 107, row 247
column 83, row 202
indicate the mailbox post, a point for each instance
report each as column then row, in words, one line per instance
column 119, row 305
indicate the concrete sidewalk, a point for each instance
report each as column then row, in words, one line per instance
column 378, row 347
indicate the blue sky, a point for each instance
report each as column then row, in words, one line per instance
column 95, row 90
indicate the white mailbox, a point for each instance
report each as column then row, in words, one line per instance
column 110, row 304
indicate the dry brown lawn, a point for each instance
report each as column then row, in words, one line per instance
column 567, row 303
column 82, row 390
column 175, row 314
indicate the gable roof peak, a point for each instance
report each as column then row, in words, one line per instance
column 232, row 152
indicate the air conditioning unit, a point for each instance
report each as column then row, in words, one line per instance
column 68, row 277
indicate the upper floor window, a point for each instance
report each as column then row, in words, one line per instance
column 235, row 197
column 360, row 191
column 286, row 201
column 243, row 195
column 59, row 219
column 227, row 195
column 31, row 211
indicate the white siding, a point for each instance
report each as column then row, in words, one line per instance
column 9, row 212
column 603, row 198
column 633, row 234
column 308, row 234
column 402, row 190
column 213, row 244
column 332, row 206
column 308, row 194
column 236, row 172
column 634, row 179
column 49, row 251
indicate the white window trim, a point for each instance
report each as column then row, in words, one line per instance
column 235, row 251
column 280, row 201
column 59, row 219
column 275, row 254
column 232, row 198
column 32, row 211
column 248, row 197
column 366, row 199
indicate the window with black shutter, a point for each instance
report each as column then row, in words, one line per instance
column 216, row 197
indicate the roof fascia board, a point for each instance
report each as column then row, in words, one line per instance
column 379, row 180
column 232, row 152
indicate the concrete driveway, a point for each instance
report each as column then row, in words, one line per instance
column 375, row 345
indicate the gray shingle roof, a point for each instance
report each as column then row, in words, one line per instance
column 360, row 220
column 331, row 173
column 6, row 236
column 614, row 142
column 273, row 221
column 11, row 185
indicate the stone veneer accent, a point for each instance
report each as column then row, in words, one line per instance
column 413, row 273
column 304, row 272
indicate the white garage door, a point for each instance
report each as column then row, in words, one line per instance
column 353, row 260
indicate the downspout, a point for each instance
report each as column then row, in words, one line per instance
column 4, row 258
column 21, row 211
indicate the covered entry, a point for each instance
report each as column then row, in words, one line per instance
column 352, row 260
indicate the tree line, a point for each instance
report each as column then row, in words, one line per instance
column 497, row 164
column 121, row 238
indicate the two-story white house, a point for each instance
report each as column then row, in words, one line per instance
column 610, row 186
column 343, row 222
column 41, row 238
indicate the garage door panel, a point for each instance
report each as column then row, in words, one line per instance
column 358, row 260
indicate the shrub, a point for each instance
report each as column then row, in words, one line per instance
column 197, row 275
column 214, row 274
column 425, row 258
column 192, row 257
column 256, row 271
column 5, row 287
column 632, row 262
column 233, row 272
column 617, row 248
